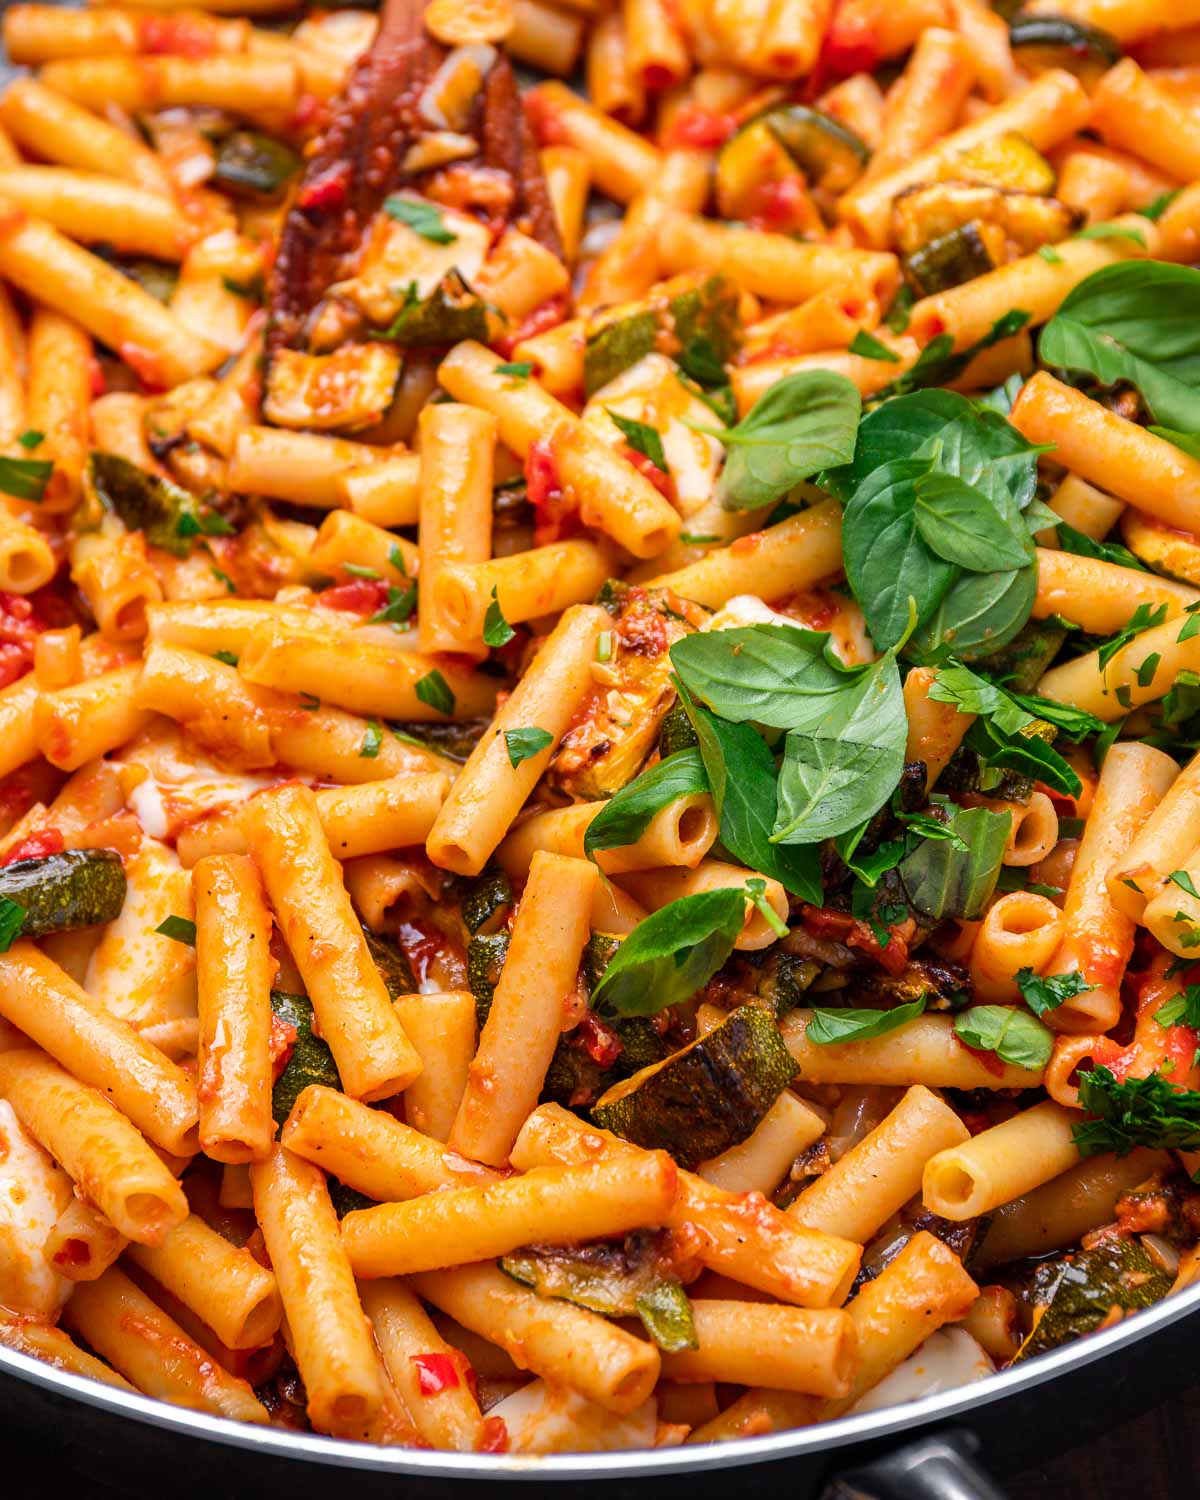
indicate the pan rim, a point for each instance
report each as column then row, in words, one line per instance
column 566, row 1467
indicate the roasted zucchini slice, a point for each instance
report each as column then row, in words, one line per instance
column 972, row 250
column 693, row 318
column 392, row 963
column 1175, row 553
column 1074, row 1294
column 706, row 1097
column 486, row 900
column 311, row 1060
column 170, row 516
column 747, row 161
column 828, row 152
column 632, row 1279
column 450, row 313
column 486, row 953
column 343, row 391
column 252, row 165
column 1028, row 220
column 1021, row 663
column 676, row 732
column 58, row 892
column 1042, row 42
column 1007, row 161
column 398, row 265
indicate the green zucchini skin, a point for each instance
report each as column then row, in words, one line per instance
column 77, row 888
column 1076, row 37
column 450, row 313
column 706, row 1097
column 256, row 166
column 705, row 313
column 827, row 151
column 311, row 1060
column 485, row 900
column 168, row 514
column 1077, row 1292
column 948, row 261
column 392, row 963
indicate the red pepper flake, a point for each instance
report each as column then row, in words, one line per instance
column 598, row 1040
column 546, row 315
column 435, row 1373
column 696, row 127
column 362, row 596
column 324, row 194
column 36, row 846
column 175, row 36
column 645, row 465
column 495, row 1436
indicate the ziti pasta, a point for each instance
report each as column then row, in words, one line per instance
column 599, row 705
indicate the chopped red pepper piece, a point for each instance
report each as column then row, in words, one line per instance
column 36, row 846
column 436, row 1373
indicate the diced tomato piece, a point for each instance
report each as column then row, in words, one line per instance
column 546, row 315
column 361, row 596
column 544, row 121
column 495, row 1436
column 645, row 465
column 555, row 518
column 176, row 36
column 325, row 194
column 280, row 1044
column 435, row 1373
column 781, row 206
column 599, row 1040
column 695, row 126
column 36, row 846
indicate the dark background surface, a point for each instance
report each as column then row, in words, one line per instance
column 1152, row 1457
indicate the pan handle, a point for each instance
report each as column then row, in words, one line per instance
column 941, row 1466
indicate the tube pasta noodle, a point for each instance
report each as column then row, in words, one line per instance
column 519, row 1036
column 283, row 830
column 374, row 522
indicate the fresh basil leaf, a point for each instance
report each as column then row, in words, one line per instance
column 422, row 217
column 1182, row 1009
column 1027, row 753
column 1155, row 209
column 869, row 868
column 886, row 558
column 626, row 815
column 227, row 657
column 776, row 675
column 522, row 744
column 802, row 424
column 1003, row 736
column 12, row 919
column 843, row 768
column 1050, row 255
column 1143, row 618
column 938, row 363
column 869, row 347
column 1038, row 516
column 1002, row 397
column 1073, row 723
column 1112, row 232
column 972, row 694
column 178, row 929
column 372, row 740
column 1147, row 1111
column 977, row 443
column 756, row 886
column 31, row 439
column 962, row 525
column 1184, row 881
column 828, row 1027
column 1081, row 545
column 1187, row 442
column 1008, row 1031
column 671, row 954
column 25, row 478
column 520, row 369
column 943, row 880
column 434, row 690
column 641, row 437
column 897, row 316
column 1137, row 320
column 400, row 605
column 496, row 629
column 978, row 614
column 745, row 788
column 1043, row 993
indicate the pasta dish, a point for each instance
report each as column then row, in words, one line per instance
column 599, row 704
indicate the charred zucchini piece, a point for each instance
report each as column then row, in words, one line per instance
column 485, row 900
column 632, row 1279
column 169, row 515
column 1058, row 42
column 953, row 258
column 1175, row 553
column 748, row 160
column 392, row 963
column 597, row 955
column 154, row 276
column 692, row 317
column 454, row 741
column 706, row 1097
column 676, row 732
column 345, row 1199
column 783, row 980
column 1028, row 219
column 486, row 953
column 1007, row 161
column 450, row 313
column 252, row 165
column 343, row 391
column 1021, row 663
column 1076, row 1293
column 311, row 1060
column 829, row 153
column 57, row 892
column 619, row 726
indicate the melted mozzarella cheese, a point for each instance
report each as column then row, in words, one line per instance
column 946, row 1360
column 34, row 1192
column 545, row 1418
